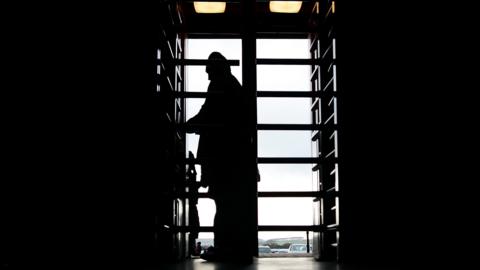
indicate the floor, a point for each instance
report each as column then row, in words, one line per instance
column 302, row 263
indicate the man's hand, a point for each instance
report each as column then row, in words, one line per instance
column 190, row 127
column 203, row 184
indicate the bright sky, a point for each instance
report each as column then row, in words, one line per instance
column 275, row 177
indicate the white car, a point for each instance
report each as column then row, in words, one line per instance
column 264, row 249
column 298, row 248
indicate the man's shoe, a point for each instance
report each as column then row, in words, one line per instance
column 215, row 255
column 210, row 255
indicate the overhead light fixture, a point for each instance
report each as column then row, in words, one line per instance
column 209, row 7
column 285, row 6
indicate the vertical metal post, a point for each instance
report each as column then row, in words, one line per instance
column 308, row 243
column 249, row 82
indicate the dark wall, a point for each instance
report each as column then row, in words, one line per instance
column 403, row 172
column 81, row 135
column 78, row 136
column 126, row 134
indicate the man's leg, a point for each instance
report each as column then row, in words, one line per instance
column 232, row 232
column 220, row 231
column 220, row 224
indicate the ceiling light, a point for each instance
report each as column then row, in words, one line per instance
column 285, row 6
column 209, row 7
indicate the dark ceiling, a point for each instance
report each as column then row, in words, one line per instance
column 231, row 21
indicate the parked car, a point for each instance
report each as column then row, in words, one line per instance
column 298, row 248
column 264, row 249
column 279, row 250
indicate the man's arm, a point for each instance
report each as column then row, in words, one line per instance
column 193, row 124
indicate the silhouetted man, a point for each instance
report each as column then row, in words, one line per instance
column 193, row 186
column 224, row 153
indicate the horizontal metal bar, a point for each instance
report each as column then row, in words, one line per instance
column 264, row 126
column 202, row 62
column 280, row 35
column 260, row 94
column 285, row 61
column 289, row 194
column 262, row 194
column 289, row 127
column 287, row 160
column 265, row 228
column 288, row 94
column 279, row 160
column 293, row 160
column 198, row 35
column 297, row 228
column 237, row 35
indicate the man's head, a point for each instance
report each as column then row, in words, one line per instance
column 218, row 67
